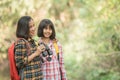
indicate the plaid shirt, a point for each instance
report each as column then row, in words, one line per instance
column 54, row 69
column 31, row 70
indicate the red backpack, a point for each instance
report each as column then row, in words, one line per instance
column 11, row 56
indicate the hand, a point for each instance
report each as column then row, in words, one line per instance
column 40, row 49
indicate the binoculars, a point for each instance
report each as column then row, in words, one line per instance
column 47, row 53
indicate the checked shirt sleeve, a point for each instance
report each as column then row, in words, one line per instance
column 20, row 54
column 61, row 61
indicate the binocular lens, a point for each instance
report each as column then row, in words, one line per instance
column 49, row 58
column 44, row 53
column 50, row 52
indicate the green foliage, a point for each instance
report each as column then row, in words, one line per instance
column 104, row 27
column 115, row 41
column 102, row 75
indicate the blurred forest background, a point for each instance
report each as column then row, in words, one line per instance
column 88, row 30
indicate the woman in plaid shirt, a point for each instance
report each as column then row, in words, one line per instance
column 54, row 69
column 28, row 65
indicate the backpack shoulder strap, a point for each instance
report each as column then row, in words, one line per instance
column 56, row 47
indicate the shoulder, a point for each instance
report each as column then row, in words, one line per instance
column 58, row 42
column 20, row 42
column 39, row 40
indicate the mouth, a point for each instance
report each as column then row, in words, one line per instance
column 47, row 34
column 32, row 33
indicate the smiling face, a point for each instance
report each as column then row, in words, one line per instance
column 31, row 28
column 47, row 32
column 46, row 29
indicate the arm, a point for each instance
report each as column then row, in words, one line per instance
column 21, row 56
column 61, row 61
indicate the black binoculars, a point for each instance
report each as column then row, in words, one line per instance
column 47, row 53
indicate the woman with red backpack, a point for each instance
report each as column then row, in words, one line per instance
column 27, row 58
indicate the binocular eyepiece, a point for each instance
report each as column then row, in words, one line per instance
column 47, row 53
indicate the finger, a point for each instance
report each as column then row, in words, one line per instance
column 43, row 48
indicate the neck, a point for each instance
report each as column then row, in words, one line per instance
column 46, row 40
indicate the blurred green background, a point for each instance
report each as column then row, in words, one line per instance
column 88, row 30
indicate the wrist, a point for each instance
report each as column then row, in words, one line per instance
column 37, row 53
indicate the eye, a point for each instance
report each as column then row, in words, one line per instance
column 32, row 25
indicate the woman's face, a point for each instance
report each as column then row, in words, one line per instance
column 31, row 28
column 47, row 32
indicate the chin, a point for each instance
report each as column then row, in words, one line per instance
column 32, row 35
column 47, row 36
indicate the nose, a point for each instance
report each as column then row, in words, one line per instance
column 48, row 30
column 33, row 28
